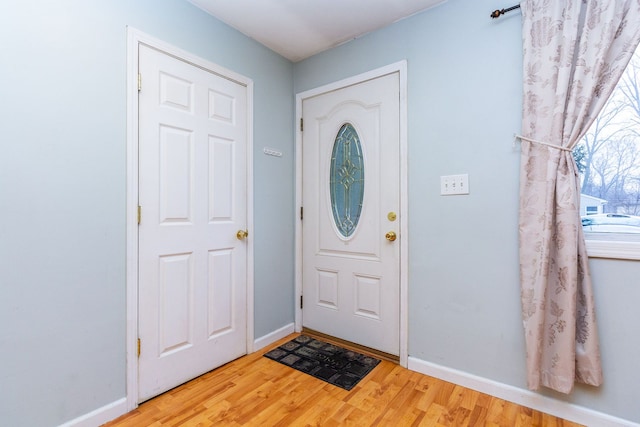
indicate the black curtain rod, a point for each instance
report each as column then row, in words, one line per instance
column 496, row 13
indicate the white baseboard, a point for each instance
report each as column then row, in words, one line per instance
column 565, row 410
column 272, row 337
column 100, row 416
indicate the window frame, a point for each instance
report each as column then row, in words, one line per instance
column 612, row 245
column 623, row 246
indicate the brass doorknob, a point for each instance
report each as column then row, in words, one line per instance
column 391, row 236
column 242, row 234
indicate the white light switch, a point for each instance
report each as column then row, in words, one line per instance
column 454, row 184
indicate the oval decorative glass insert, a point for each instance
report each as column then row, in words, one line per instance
column 346, row 180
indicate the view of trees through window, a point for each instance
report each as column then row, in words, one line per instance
column 608, row 159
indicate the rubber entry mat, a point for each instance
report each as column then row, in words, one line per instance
column 336, row 365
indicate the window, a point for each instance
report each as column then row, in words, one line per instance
column 608, row 159
column 591, row 210
column 346, row 180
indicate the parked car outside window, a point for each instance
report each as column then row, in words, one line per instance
column 611, row 223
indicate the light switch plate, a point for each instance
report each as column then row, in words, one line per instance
column 272, row 152
column 451, row 185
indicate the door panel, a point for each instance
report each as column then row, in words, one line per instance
column 192, row 190
column 176, row 174
column 351, row 279
column 175, row 283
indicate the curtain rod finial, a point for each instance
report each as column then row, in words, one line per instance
column 496, row 13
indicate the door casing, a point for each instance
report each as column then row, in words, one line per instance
column 401, row 68
column 134, row 39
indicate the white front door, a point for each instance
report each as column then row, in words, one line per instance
column 193, row 198
column 351, row 202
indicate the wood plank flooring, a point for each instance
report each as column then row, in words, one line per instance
column 256, row 391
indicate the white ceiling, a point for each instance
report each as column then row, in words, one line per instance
column 297, row 29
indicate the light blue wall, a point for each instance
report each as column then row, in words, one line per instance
column 63, row 188
column 464, row 105
column 62, row 196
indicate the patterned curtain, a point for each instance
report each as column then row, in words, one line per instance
column 574, row 53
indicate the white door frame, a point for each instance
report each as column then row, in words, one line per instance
column 401, row 68
column 134, row 39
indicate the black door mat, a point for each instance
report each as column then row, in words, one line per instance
column 335, row 365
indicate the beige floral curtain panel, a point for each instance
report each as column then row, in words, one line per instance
column 574, row 53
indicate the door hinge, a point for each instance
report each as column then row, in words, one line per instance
column 301, row 302
column 301, row 124
column 301, row 213
column 139, row 214
column 138, row 347
column 139, row 82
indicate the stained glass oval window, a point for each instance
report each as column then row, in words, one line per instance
column 346, row 180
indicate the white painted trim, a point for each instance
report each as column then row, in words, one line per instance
column 250, row 220
column 404, row 218
column 272, row 337
column 568, row 411
column 401, row 68
column 134, row 39
column 298, row 228
column 100, row 416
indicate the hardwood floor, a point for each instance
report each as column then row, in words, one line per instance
column 256, row 391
